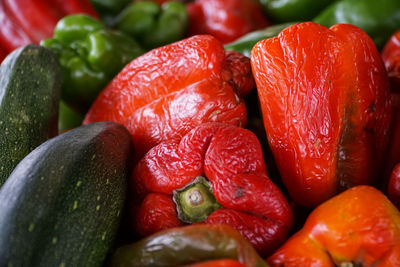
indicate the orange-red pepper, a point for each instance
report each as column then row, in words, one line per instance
column 359, row 226
column 170, row 90
column 325, row 103
column 215, row 174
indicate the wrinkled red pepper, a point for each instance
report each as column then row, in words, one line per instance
column 170, row 90
column 325, row 103
column 215, row 174
column 359, row 227
column 227, row 20
column 391, row 58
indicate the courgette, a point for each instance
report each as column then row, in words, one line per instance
column 62, row 204
column 30, row 90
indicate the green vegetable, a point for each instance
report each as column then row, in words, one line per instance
column 30, row 89
column 293, row 10
column 187, row 245
column 62, row 204
column 68, row 118
column 90, row 56
column 245, row 43
column 153, row 25
column 379, row 19
column 108, row 9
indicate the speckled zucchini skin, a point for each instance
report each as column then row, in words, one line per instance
column 62, row 204
column 30, row 89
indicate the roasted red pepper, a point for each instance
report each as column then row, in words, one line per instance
column 325, row 102
column 391, row 58
column 227, row 20
column 215, row 174
column 359, row 227
column 170, row 90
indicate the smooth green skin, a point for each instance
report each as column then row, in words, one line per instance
column 106, row 7
column 153, row 26
column 68, row 118
column 197, row 209
column 62, row 204
column 90, row 56
column 30, row 90
column 188, row 245
column 379, row 19
column 245, row 43
column 281, row 11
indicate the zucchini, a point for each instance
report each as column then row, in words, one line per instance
column 30, row 90
column 62, row 204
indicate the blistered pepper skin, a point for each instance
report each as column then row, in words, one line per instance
column 325, row 102
column 232, row 161
column 359, row 226
column 166, row 92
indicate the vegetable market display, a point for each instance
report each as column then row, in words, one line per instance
column 199, row 133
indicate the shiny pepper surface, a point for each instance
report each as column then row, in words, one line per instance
column 170, row 90
column 325, row 103
column 227, row 20
column 391, row 58
column 215, row 174
column 359, row 227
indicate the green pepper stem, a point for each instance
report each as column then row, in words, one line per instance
column 196, row 201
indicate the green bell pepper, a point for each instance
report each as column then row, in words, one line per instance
column 153, row 25
column 187, row 245
column 90, row 56
column 68, row 118
column 245, row 43
column 379, row 19
column 293, row 10
column 108, row 9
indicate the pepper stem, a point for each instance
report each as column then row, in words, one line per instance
column 196, row 201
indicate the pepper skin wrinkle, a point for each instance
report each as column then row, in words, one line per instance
column 325, row 103
column 170, row 90
column 231, row 159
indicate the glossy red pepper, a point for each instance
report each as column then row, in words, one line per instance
column 215, row 174
column 170, row 90
column 35, row 17
column 391, row 58
column 74, row 7
column 11, row 34
column 359, row 227
column 325, row 102
column 394, row 186
column 227, row 20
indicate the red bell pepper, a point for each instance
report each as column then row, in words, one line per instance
column 227, row 20
column 75, row 7
column 11, row 34
column 215, row 174
column 359, row 227
column 325, row 103
column 394, row 186
column 391, row 58
column 35, row 17
column 170, row 90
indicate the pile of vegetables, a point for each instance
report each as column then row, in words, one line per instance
column 200, row 133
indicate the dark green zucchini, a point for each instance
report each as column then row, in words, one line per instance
column 62, row 204
column 30, row 90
